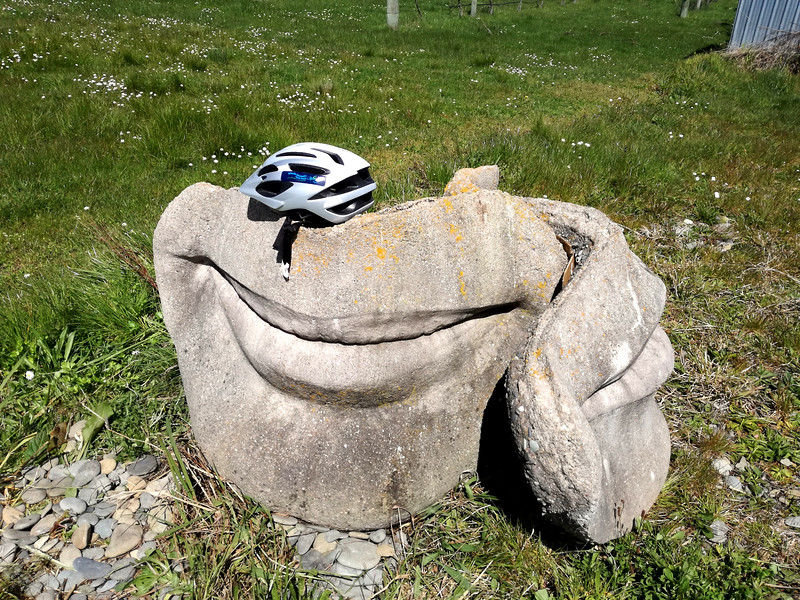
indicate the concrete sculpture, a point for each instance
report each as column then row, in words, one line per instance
column 352, row 394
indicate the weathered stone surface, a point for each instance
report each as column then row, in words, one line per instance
column 473, row 180
column 393, row 326
column 580, row 398
column 397, row 326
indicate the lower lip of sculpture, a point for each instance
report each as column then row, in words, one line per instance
column 361, row 374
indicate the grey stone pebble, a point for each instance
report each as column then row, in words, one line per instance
column 78, row 597
column 146, row 501
column 69, row 554
column 284, row 520
column 7, row 552
column 358, row 554
column 107, row 586
column 105, row 528
column 12, row 535
column 143, row 466
column 377, row 536
column 48, row 594
column 85, row 473
column 359, row 535
column 44, row 525
column 49, row 581
column 94, row 553
column 33, row 495
column 91, row 569
column 722, row 466
column 59, row 486
column 316, row 561
column 58, row 472
column 69, row 580
column 35, row 473
column 304, row 542
column 33, row 588
column 333, row 535
column 27, row 522
column 75, row 506
column 88, row 517
column 104, row 509
column 719, row 532
column 793, row 522
column 734, row 483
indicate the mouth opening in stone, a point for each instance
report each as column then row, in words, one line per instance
column 375, row 328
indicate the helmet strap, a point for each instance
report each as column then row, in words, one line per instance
column 283, row 244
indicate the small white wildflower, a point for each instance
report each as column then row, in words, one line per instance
column 688, row 222
column 747, row 198
column 28, row 375
column 716, row 194
column 85, row 208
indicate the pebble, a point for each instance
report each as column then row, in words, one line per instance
column 91, row 569
column 90, row 517
column 44, row 525
column 304, row 543
column 284, row 520
column 11, row 515
column 105, row 509
column 27, row 521
column 105, row 528
column 143, row 466
column 124, row 539
column 75, row 506
column 322, row 545
column 734, row 482
column 376, row 537
column 7, row 552
column 719, row 532
column 85, row 473
column 742, row 464
column 107, row 465
column 82, row 535
column 69, row 554
column 722, row 466
column 359, row 535
column 793, row 522
column 33, row 495
column 358, row 555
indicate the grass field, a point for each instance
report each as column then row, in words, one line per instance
column 109, row 109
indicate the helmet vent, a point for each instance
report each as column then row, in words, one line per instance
column 354, row 182
column 336, row 158
column 273, row 188
column 267, row 169
column 304, row 154
column 310, row 169
column 353, row 205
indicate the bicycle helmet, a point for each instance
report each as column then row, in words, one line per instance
column 313, row 179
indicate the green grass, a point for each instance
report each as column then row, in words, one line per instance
column 108, row 110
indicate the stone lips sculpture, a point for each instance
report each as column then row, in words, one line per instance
column 353, row 394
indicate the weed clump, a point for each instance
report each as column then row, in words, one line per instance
column 780, row 52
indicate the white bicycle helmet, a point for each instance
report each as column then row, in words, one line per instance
column 309, row 178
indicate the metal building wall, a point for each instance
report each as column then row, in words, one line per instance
column 759, row 20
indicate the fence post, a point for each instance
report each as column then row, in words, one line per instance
column 392, row 13
column 474, row 8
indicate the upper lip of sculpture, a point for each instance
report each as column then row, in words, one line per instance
column 372, row 328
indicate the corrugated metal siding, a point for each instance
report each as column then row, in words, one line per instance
column 759, row 20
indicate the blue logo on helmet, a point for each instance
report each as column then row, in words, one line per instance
column 295, row 177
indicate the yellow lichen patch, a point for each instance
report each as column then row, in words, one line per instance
column 367, row 268
column 448, row 206
column 381, row 252
column 462, row 283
